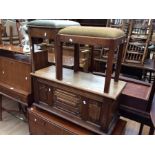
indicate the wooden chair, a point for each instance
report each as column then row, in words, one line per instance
column 10, row 34
column 101, row 59
column 122, row 24
column 139, row 36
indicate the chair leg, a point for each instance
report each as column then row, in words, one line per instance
column 141, row 129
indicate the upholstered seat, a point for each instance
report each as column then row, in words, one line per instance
column 52, row 23
column 103, row 32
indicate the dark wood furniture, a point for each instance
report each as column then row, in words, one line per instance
column 10, row 34
column 136, row 71
column 152, row 113
column 0, row 33
column 122, row 24
column 136, row 102
column 92, row 36
column 78, row 98
column 81, row 98
column 44, row 123
column 0, row 107
column 139, row 36
column 15, row 79
column 40, row 30
column 92, row 22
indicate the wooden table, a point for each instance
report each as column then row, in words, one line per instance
column 148, row 66
column 12, row 48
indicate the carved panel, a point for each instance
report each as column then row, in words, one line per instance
column 94, row 110
column 45, row 93
column 67, row 101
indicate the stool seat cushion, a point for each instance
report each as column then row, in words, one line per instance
column 103, row 32
column 52, row 23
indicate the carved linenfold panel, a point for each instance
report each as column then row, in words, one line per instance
column 43, row 92
column 94, row 111
column 66, row 97
column 67, row 101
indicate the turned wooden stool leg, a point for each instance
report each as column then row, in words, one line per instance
column 109, row 69
column 58, row 56
column 92, row 58
column 118, row 65
column 76, row 57
column 0, row 107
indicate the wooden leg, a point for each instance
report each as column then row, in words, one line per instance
column 150, row 77
column 141, row 129
column 92, row 59
column 22, row 110
column 151, row 132
column 109, row 69
column 76, row 57
column 118, row 65
column 0, row 107
column 58, row 55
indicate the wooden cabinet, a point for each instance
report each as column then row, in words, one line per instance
column 81, row 98
column 43, row 123
column 15, row 79
column 97, row 112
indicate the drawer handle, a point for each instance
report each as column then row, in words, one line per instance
column 3, row 72
column 35, row 120
column 84, row 102
column 49, row 89
column 26, row 78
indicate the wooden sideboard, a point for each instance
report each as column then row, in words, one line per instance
column 44, row 123
column 15, row 79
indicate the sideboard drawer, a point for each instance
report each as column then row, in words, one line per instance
column 43, row 123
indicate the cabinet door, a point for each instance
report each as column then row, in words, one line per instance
column 6, row 71
column 67, row 101
column 15, row 74
column 94, row 111
column 45, row 93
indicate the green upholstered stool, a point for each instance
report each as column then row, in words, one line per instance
column 52, row 23
column 45, row 29
column 111, row 38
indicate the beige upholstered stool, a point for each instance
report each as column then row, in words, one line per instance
column 111, row 38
